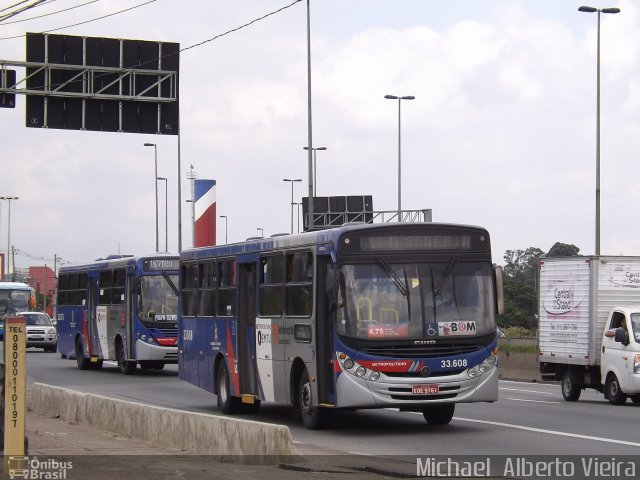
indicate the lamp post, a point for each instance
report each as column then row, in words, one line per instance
column 292, row 182
column 166, row 214
column 155, row 151
column 598, row 11
column 315, row 165
column 225, row 228
column 399, row 98
column 261, row 231
column 9, row 232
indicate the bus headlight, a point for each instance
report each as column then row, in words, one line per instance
column 484, row 366
column 352, row 367
column 636, row 364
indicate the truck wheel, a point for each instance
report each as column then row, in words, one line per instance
column 440, row 414
column 614, row 393
column 570, row 391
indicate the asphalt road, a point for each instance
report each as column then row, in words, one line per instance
column 529, row 418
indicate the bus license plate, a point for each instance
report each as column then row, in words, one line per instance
column 425, row 389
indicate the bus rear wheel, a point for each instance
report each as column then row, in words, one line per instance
column 126, row 367
column 226, row 403
column 82, row 362
column 439, row 414
column 313, row 416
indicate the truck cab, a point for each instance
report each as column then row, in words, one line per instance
column 620, row 361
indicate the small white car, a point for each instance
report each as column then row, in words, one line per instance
column 41, row 332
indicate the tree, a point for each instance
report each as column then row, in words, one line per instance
column 560, row 249
column 522, row 265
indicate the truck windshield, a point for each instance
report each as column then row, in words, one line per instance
column 158, row 301
column 635, row 326
column 384, row 300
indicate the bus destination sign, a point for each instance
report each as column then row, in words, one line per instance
column 160, row 264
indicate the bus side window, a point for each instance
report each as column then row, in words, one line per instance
column 271, row 286
column 299, row 287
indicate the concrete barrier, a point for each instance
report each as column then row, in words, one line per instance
column 518, row 365
column 227, row 439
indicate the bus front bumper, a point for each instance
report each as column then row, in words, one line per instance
column 146, row 351
column 357, row 392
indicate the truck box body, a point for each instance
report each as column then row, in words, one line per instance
column 576, row 297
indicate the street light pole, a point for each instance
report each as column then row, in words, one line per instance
column 166, row 214
column 598, row 11
column 225, row 228
column 292, row 182
column 315, row 165
column 399, row 98
column 9, row 233
column 155, row 151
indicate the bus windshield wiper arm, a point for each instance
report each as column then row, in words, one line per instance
column 437, row 290
column 402, row 287
column 170, row 282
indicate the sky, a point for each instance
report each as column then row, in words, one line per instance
column 501, row 134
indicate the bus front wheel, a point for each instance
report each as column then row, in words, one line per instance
column 82, row 362
column 227, row 403
column 439, row 414
column 313, row 416
column 126, row 367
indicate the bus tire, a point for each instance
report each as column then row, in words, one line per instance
column 151, row 365
column 313, row 417
column 226, row 403
column 613, row 391
column 96, row 365
column 570, row 391
column 126, row 367
column 439, row 414
column 82, row 362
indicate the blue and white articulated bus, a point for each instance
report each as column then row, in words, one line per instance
column 355, row 317
column 121, row 308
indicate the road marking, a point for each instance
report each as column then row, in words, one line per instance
column 550, row 432
column 530, row 391
column 525, row 400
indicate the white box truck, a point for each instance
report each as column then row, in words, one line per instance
column 589, row 325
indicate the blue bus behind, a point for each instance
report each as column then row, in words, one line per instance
column 121, row 308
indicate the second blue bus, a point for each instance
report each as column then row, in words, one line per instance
column 122, row 308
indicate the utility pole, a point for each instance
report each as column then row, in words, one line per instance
column 191, row 175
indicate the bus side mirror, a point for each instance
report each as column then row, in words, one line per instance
column 499, row 275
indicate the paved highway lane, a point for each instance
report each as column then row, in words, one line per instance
column 528, row 419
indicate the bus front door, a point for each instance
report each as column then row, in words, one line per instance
column 247, row 332
column 93, row 343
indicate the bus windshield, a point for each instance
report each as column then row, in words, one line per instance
column 382, row 300
column 14, row 301
column 158, row 301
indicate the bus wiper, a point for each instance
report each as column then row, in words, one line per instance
column 171, row 284
column 402, row 287
column 437, row 290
